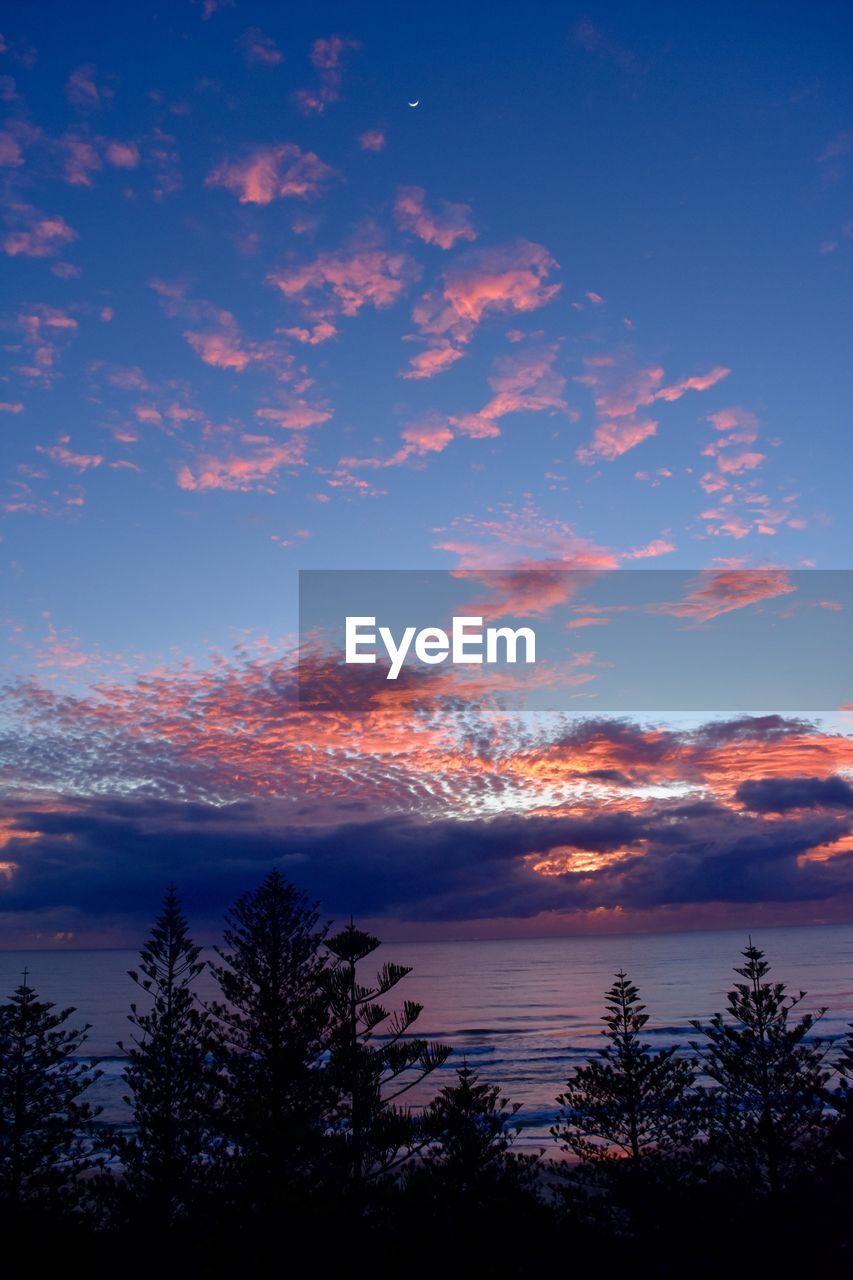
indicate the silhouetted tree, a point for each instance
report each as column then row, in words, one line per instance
column 769, row 1095
column 471, row 1131
column 374, row 1060
column 46, row 1136
column 171, row 1081
column 631, row 1101
column 273, row 1024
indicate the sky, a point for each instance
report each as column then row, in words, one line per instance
column 586, row 305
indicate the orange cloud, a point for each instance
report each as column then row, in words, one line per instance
column 283, row 172
column 443, row 227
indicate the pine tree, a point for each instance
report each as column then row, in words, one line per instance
column 273, row 1035
column 471, row 1132
column 769, row 1093
column 374, row 1060
column 46, row 1136
column 169, row 1075
column 631, row 1101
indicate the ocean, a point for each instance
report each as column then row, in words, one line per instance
column 522, row 1012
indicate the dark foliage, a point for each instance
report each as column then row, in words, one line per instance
column 46, row 1125
column 273, row 1032
column 282, row 1118
column 374, row 1061
column 173, row 1088
column 768, row 1100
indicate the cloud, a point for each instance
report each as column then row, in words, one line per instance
column 372, row 140
column 342, row 282
column 619, row 392
column 282, row 172
column 122, row 155
column 434, row 359
column 781, row 795
column 260, row 49
column 65, row 457
column 526, row 382
column 444, row 226
column 256, row 469
column 717, row 591
column 327, row 58
column 507, row 279
column 220, row 342
column 523, row 538
column 108, row 858
column 39, row 236
column 82, row 89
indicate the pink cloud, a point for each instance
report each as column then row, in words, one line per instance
column 619, row 392
column 523, row 383
column 372, row 140
column 613, row 438
column 327, row 58
column 65, row 457
column 430, row 434
column 11, row 154
column 657, row 547
column 81, row 160
column 273, row 173
column 728, row 419
column 433, row 360
column 40, row 237
column 718, row 591
column 122, row 155
column 343, row 282
column 296, row 416
column 11, row 406
column 735, row 463
column 510, row 278
column 210, row 7
column 243, row 472
column 700, row 382
column 320, row 332
column 260, row 49
column 524, row 539
column 82, row 89
column 444, row 226
column 219, row 341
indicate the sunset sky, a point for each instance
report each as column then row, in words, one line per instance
column 587, row 305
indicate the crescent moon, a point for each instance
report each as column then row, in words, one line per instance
column 415, row 103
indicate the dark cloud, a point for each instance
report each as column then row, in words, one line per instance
column 780, row 795
column 109, row 860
